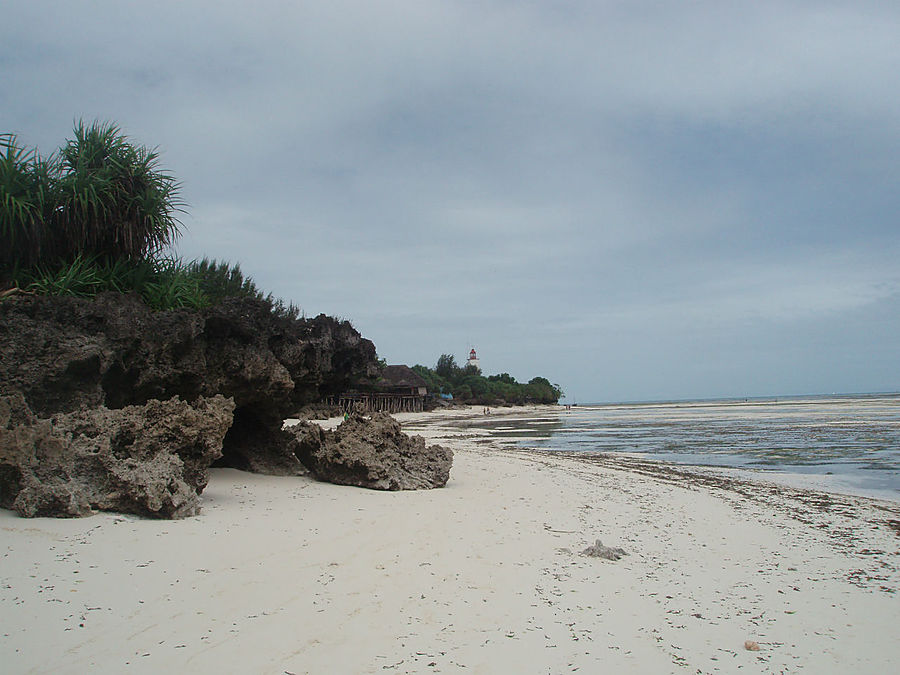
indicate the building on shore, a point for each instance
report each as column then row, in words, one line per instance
column 399, row 389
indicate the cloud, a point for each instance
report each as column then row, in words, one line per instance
column 633, row 180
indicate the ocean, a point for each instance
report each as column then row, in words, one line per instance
column 847, row 443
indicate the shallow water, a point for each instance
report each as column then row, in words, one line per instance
column 851, row 441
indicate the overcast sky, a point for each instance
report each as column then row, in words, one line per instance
column 636, row 200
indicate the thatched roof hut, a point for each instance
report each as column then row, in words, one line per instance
column 401, row 380
column 399, row 389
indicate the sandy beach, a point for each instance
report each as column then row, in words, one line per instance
column 289, row 575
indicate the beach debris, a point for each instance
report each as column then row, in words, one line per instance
column 371, row 452
column 751, row 646
column 598, row 550
column 151, row 460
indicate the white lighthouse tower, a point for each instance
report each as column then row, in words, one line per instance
column 473, row 360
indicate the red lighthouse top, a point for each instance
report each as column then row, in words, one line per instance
column 472, row 354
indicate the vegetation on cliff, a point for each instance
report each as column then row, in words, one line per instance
column 98, row 197
column 467, row 384
column 98, row 215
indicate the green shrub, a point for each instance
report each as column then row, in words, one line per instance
column 173, row 286
column 80, row 277
column 161, row 284
column 220, row 280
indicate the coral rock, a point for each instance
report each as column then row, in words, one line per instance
column 373, row 453
column 66, row 353
column 150, row 460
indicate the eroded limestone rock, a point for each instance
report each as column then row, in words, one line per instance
column 65, row 353
column 151, row 460
column 372, row 452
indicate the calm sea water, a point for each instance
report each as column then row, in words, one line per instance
column 850, row 442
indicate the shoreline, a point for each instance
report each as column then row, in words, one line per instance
column 286, row 574
column 836, row 484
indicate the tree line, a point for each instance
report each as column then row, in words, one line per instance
column 467, row 385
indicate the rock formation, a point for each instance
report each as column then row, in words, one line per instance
column 150, row 460
column 66, row 353
column 372, row 453
column 108, row 405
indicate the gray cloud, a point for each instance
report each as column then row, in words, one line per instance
column 637, row 200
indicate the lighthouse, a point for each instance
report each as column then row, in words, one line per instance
column 473, row 360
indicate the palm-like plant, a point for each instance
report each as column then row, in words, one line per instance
column 114, row 202
column 27, row 197
column 96, row 217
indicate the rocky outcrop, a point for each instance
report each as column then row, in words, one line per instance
column 150, row 460
column 373, row 453
column 107, row 405
column 66, row 353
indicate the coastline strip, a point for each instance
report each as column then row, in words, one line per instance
column 486, row 575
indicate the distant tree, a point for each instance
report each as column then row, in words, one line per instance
column 539, row 390
column 510, row 393
column 446, row 367
column 503, row 377
column 435, row 383
column 559, row 392
column 470, row 386
column 478, row 385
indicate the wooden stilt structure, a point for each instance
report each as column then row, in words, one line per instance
column 378, row 402
column 399, row 389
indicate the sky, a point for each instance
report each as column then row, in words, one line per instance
column 635, row 200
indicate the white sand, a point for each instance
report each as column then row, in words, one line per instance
column 287, row 575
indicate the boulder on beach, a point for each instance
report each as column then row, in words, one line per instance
column 152, row 460
column 372, row 452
